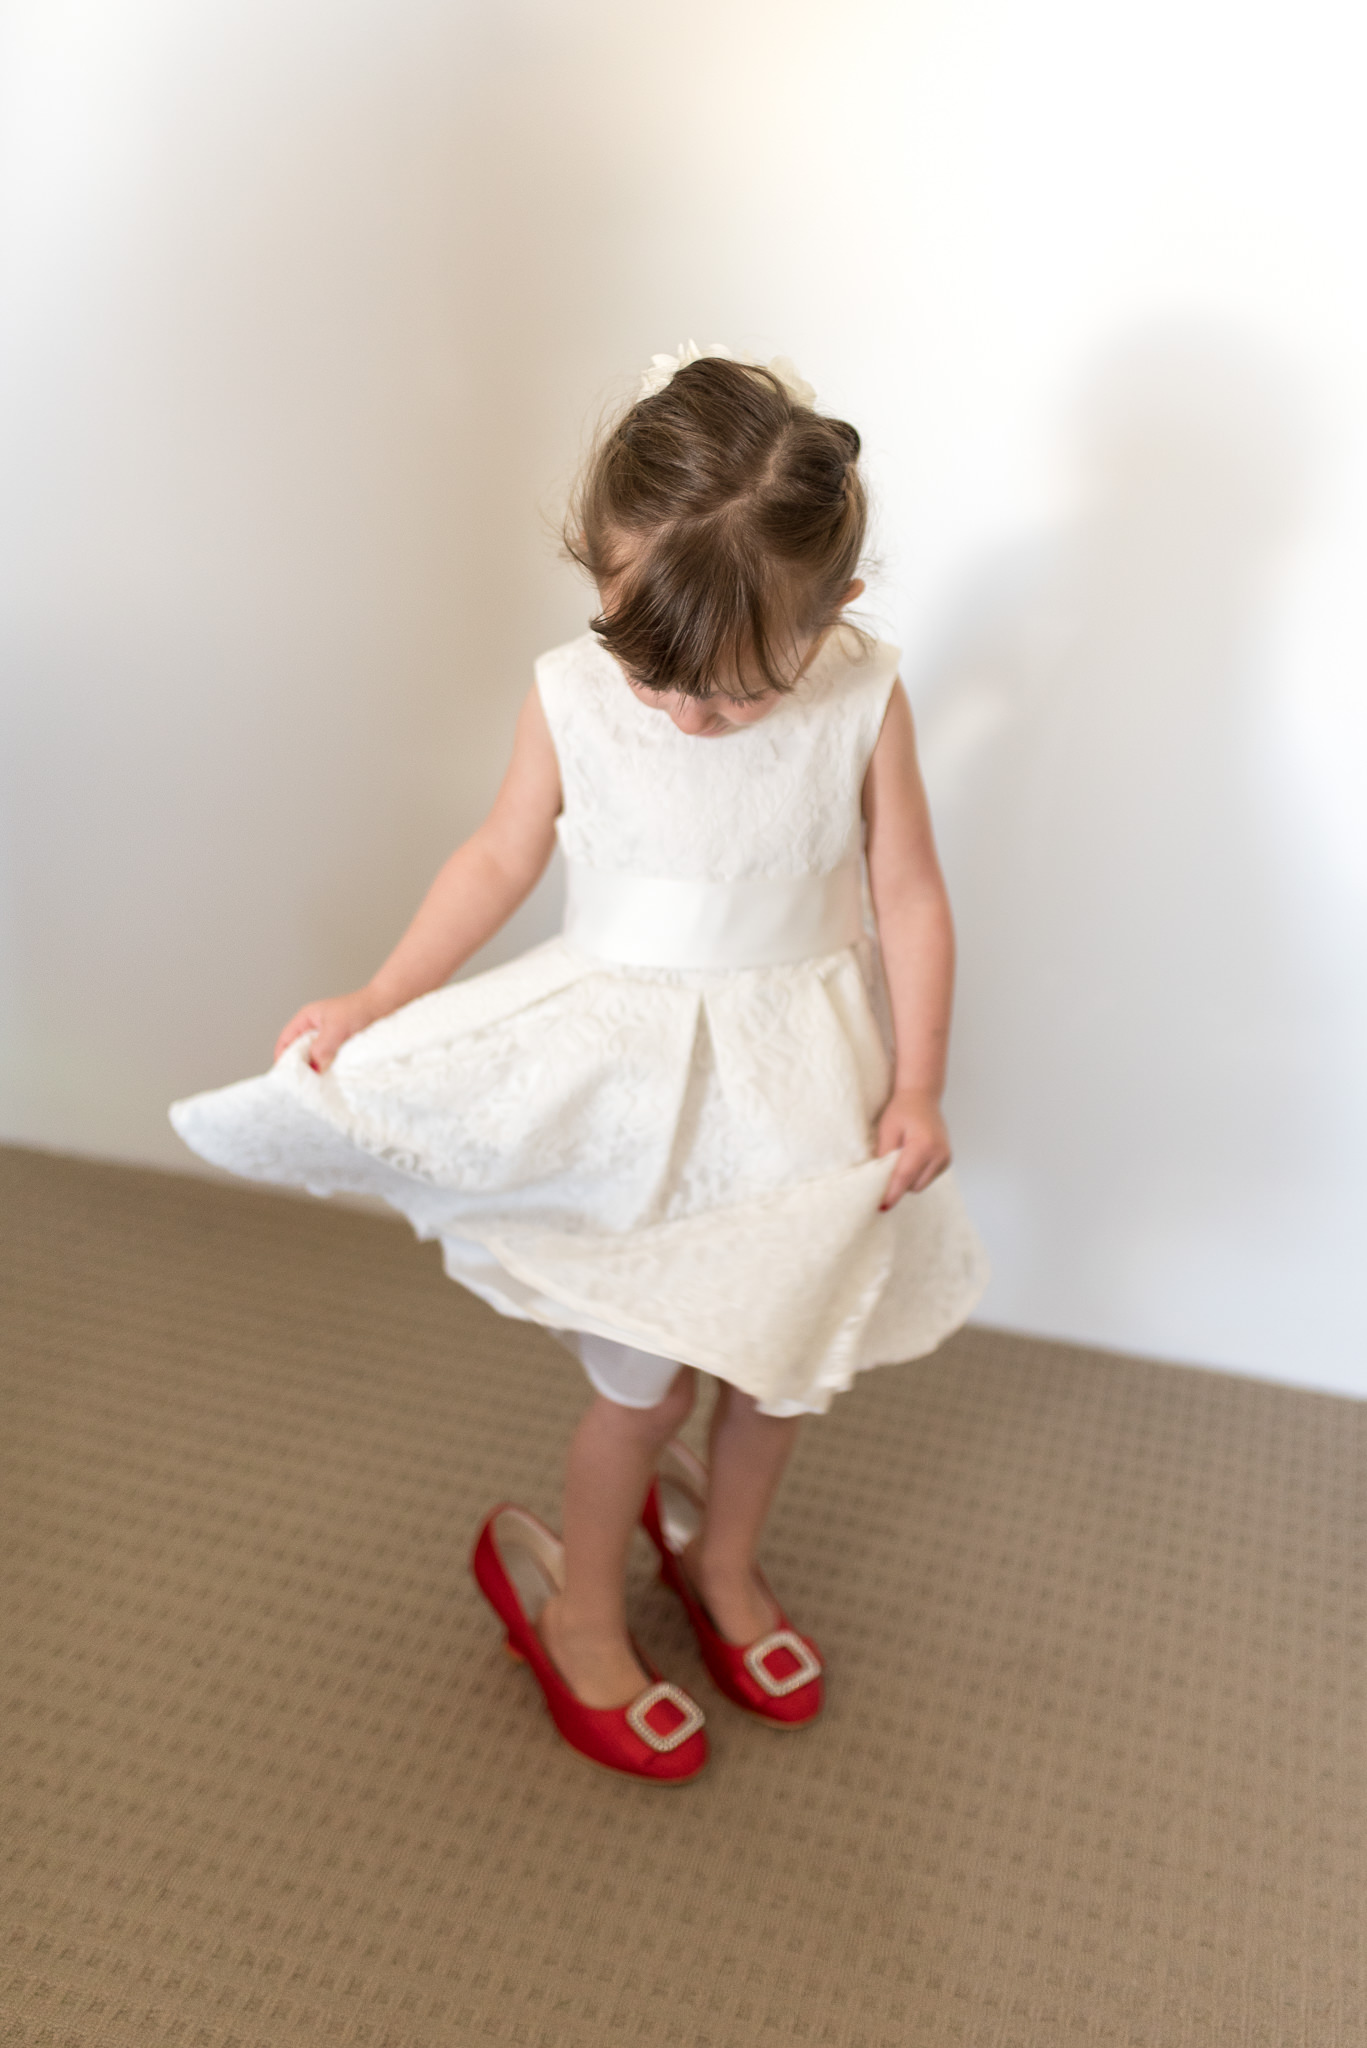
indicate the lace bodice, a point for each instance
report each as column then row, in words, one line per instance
column 777, row 798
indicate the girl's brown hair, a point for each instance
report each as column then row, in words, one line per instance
column 733, row 517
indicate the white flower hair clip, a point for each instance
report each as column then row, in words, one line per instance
column 662, row 368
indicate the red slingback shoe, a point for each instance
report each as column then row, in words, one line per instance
column 518, row 1564
column 778, row 1676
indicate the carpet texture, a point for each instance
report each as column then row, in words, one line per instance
column 1092, row 1769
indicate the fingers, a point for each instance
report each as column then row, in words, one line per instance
column 897, row 1186
column 324, row 1050
column 312, row 1017
column 299, row 1023
column 335, row 1027
column 332, row 1022
column 931, row 1171
column 914, row 1171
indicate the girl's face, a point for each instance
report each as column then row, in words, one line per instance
column 712, row 717
column 707, row 718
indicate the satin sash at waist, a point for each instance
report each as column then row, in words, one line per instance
column 665, row 921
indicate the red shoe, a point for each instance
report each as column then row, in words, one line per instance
column 518, row 1564
column 778, row 1676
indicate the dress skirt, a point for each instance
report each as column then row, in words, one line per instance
column 679, row 1160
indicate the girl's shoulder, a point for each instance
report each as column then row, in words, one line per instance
column 582, row 665
column 848, row 684
column 587, row 702
column 852, row 661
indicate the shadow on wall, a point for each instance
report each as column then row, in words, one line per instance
column 1133, row 1018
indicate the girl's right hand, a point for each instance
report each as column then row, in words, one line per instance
column 334, row 1019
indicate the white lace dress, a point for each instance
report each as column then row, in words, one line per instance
column 658, row 1127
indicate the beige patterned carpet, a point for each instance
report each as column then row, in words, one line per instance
column 1092, row 1771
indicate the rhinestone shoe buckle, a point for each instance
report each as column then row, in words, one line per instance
column 692, row 1716
column 808, row 1665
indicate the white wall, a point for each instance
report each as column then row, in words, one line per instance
column 308, row 310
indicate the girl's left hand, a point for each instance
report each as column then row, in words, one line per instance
column 912, row 1125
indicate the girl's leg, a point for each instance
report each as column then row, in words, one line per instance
column 747, row 1455
column 611, row 1461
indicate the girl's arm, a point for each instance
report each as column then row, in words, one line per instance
column 917, row 940
column 477, row 890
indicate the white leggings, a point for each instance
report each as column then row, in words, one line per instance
column 638, row 1379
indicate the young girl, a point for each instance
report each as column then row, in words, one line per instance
column 700, row 1130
